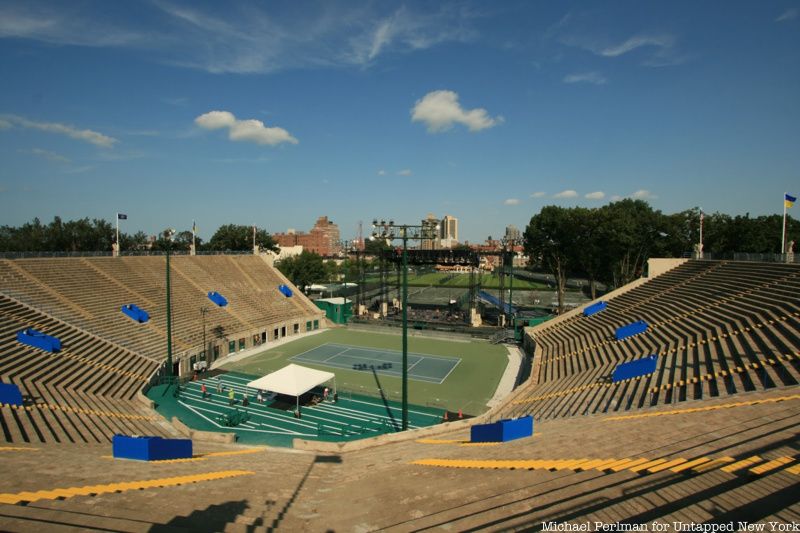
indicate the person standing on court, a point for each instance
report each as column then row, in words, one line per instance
column 203, row 390
column 231, row 397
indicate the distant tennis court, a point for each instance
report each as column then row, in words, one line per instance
column 421, row 367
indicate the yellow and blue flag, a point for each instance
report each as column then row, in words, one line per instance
column 788, row 200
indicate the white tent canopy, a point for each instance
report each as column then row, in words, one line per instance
column 293, row 380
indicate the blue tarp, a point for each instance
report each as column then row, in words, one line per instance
column 10, row 394
column 37, row 339
column 595, row 308
column 285, row 290
column 495, row 301
column 150, row 448
column 136, row 313
column 502, row 431
column 217, row 298
column 635, row 369
column 631, row 329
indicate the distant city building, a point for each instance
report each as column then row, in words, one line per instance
column 322, row 239
column 431, row 230
column 448, row 231
column 512, row 233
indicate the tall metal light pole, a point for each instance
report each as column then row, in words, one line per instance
column 344, row 245
column 203, row 311
column 510, row 256
column 168, row 237
column 405, row 232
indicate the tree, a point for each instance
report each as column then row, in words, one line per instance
column 136, row 242
column 587, row 249
column 630, row 228
column 374, row 247
column 232, row 237
column 304, row 269
column 548, row 239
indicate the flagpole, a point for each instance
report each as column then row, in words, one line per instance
column 118, row 248
column 701, row 229
column 783, row 233
column 193, row 243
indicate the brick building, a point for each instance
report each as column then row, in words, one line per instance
column 323, row 238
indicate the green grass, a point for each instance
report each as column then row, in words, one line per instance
column 462, row 281
column 471, row 384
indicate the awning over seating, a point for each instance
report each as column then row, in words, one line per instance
column 293, row 380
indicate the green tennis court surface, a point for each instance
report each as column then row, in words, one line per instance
column 421, row 367
column 352, row 417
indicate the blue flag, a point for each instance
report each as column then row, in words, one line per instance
column 122, row 216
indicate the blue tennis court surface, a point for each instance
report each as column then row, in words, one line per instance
column 421, row 367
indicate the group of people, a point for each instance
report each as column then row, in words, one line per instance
column 261, row 396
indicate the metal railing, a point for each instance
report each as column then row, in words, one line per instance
column 756, row 258
column 127, row 253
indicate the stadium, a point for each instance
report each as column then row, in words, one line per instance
column 713, row 426
column 365, row 266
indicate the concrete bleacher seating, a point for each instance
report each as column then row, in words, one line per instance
column 86, row 392
column 59, row 288
column 720, row 328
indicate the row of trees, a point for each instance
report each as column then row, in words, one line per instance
column 611, row 244
column 85, row 235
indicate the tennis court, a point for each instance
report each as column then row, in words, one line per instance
column 421, row 367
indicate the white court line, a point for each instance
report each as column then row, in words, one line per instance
column 335, row 355
column 385, row 372
column 415, row 364
column 425, row 378
column 375, row 417
column 283, row 431
column 314, row 348
column 394, row 408
column 451, row 371
column 386, row 350
column 268, row 416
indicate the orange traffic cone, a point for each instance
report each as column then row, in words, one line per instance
column 460, row 414
column 445, row 417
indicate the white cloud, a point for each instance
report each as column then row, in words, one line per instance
column 440, row 110
column 580, row 30
column 46, row 154
column 90, row 136
column 216, row 119
column 643, row 194
column 637, row 41
column 381, row 172
column 406, row 30
column 790, row 14
column 53, row 24
column 511, row 201
column 250, row 130
column 616, row 198
column 246, row 37
column 404, row 172
column 569, row 193
column 4, row 124
column 597, row 195
column 538, row 194
column 586, row 77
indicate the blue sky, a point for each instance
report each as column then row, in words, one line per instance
column 274, row 113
